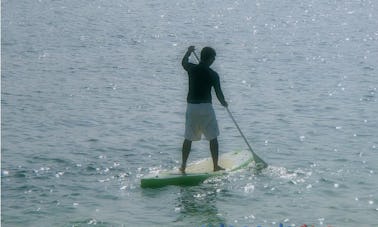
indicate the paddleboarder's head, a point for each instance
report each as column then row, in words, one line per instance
column 208, row 55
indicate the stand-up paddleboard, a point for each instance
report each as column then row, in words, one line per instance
column 199, row 171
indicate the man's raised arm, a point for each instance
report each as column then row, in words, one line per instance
column 185, row 59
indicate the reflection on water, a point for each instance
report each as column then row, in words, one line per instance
column 198, row 206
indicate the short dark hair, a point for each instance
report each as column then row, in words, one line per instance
column 207, row 53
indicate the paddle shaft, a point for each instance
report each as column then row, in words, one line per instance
column 261, row 164
column 195, row 55
column 240, row 131
column 257, row 159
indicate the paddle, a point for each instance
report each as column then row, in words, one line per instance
column 260, row 164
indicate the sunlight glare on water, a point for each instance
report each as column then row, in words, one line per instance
column 93, row 99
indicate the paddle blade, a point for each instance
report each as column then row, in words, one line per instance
column 260, row 164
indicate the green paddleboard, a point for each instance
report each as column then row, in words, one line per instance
column 199, row 171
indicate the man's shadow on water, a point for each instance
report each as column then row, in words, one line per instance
column 197, row 206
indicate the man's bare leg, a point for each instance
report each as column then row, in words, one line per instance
column 186, row 146
column 214, row 154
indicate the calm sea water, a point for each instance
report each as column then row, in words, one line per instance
column 93, row 98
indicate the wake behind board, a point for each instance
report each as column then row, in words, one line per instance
column 199, row 171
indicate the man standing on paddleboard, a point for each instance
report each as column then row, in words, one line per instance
column 200, row 115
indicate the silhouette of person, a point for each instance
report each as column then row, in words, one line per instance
column 200, row 115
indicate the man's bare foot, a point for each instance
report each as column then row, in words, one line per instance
column 218, row 168
column 182, row 169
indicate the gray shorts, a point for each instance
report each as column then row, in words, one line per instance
column 200, row 119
